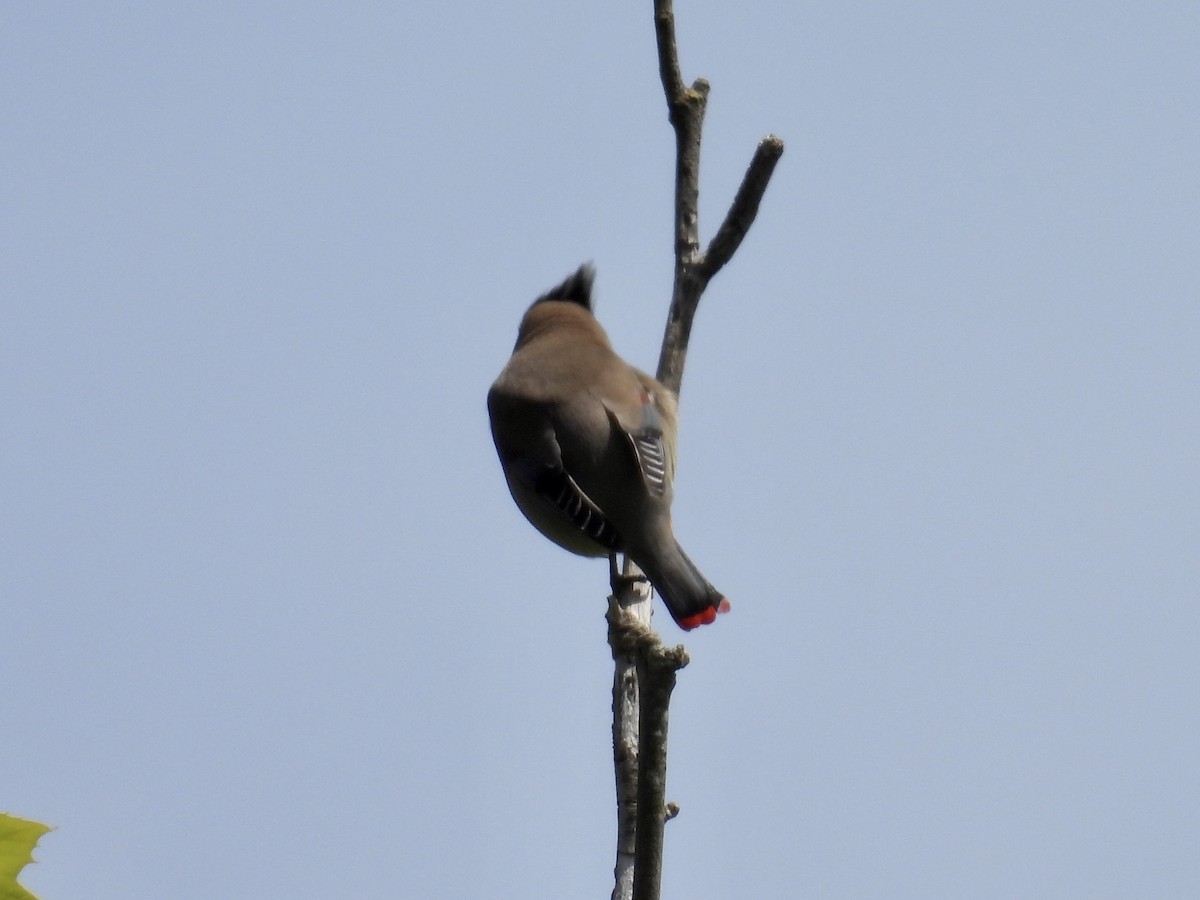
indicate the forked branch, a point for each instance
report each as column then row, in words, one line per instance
column 645, row 668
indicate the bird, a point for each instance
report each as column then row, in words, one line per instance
column 587, row 445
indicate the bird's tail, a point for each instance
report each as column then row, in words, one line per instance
column 689, row 598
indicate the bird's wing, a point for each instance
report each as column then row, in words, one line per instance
column 527, row 441
column 554, row 485
column 649, row 427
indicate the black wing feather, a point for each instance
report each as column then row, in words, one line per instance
column 560, row 489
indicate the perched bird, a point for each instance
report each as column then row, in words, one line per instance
column 587, row 443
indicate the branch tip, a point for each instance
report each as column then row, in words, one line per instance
column 772, row 143
column 744, row 208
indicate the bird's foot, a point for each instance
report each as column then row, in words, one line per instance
column 620, row 582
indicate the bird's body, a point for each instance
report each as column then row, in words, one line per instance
column 587, row 443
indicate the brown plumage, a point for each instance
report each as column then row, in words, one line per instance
column 587, row 443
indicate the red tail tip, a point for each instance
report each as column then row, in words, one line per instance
column 705, row 616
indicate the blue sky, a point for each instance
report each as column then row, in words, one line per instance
column 273, row 625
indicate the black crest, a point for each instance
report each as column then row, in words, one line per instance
column 576, row 289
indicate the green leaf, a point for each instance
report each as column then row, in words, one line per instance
column 18, row 837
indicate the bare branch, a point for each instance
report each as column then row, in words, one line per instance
column 684, row 301
column 645, row 669
column 693, row 268
column 630, row 601
column 686, row 109
column 744, row 208
column 668, row 54
column 655, row 665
